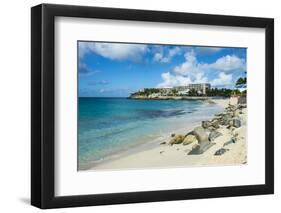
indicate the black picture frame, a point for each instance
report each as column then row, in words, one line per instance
column 43, row 102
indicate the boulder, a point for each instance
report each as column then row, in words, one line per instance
column 189, row 139
column 200, row 134
column 215, row 124
column 221, row 151
column 203, row 142
column 241, row 106
column 206, row 124
column 177, row 139
column 173, row 135
column 236, row 122
column 213, row 135
column 220, row 114
column 196, row 147
column 232, row 140
column 235, row 113
column 230, row 124
column 226, row 119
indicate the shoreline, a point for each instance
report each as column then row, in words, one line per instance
column 158, row 153
column 171, row 98
column 148, row 145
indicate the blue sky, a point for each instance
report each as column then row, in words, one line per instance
column 118, row 69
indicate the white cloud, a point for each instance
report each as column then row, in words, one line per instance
column 170, row 80
column 222, row 80
column 225, row 63
column 229, row 63
column 189, row 67
column 166, row 57
column 191, row 71
column 113, row 51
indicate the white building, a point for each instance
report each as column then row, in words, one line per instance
column 199, row 88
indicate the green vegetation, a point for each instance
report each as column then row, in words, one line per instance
column 192, row 93
column 241, row 81
column 146, row 92
column 219, row 92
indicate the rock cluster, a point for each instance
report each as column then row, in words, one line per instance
column 203, row 136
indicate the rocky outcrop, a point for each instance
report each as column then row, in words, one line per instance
column 211, row 125
column 203, row 137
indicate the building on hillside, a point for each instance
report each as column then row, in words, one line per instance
column 165, row 91
column 199, row 88
column 183, row 92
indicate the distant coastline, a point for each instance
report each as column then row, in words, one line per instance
column 202, row 91
column 171, row 98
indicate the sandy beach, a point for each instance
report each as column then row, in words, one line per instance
column 229, row 147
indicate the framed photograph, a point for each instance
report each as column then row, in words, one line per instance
column 139, row 106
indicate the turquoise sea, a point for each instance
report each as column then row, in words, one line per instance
column 108, row 126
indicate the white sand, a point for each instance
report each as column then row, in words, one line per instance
column 225, row 102
column 163, row 156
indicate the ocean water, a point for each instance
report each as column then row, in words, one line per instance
column 108, row 126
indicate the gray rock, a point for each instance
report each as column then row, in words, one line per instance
column 232, row 140
column 221, row 151
column 213, row 135
column 230, row 123
column 215, row 124
column 226, row 119
column 235, row 113
column 206, row 124
column 200, row 134
column 242, row 100
column 241, row 106
column 173, row 135
column 198, row 149
column 203, row 142
column 236, row 122
column 220, row 114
